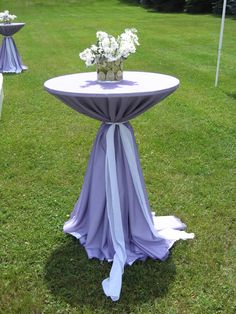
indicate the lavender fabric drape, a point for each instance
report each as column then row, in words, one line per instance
column 10, row 29
column 89, row 220
column 112, row 217
column 112, row 102
column 10, row 60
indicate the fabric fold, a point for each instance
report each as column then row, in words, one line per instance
column 112, row 218
column 10, row 60
column 170, row 233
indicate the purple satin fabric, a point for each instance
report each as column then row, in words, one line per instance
column 89, row 217
column 115, row 109
column 10, row 60
column 89, row 220
column 10, row 29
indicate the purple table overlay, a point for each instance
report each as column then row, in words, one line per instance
column 112, row 217
column 10, row 60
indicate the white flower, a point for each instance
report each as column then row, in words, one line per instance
column 110, row 48
column 101, row 35
column 131, row 33
column 126, row 48
column 94, row 48
column 105, row 42
column 88, row 56
column 5, row 17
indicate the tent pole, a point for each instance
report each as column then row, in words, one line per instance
column 220, row 41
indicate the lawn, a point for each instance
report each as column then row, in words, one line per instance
column 187, row 148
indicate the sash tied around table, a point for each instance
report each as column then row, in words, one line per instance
column 164, row 230
column 112, row 285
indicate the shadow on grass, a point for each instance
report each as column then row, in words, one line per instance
column 13, row 73
column 232, row 95
column 71, row 277
column 130, row 2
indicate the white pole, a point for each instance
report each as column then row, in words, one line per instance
column 220, row 41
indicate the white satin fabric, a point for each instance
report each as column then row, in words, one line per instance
column 162, row 227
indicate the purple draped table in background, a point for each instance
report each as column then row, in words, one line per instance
column 112, row 217
column 10, row 60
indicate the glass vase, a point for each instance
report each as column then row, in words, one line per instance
column 110, row 71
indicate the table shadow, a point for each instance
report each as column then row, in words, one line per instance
column 12, row 73
column 232, row 95
column 109, row 85
column 73, row 278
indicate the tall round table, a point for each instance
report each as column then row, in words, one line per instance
column 112, row 217
column 10, row 60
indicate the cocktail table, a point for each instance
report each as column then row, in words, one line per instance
column 10, row 60
column 112, row 217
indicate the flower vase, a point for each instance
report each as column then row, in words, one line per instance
column 110, row 71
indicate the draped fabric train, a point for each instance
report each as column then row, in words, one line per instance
column 112, row 217
column 10, row 60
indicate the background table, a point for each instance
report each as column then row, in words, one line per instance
column 112, row 217
column 10, row 60
column 1, row 93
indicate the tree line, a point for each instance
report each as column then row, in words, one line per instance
column 191, row 6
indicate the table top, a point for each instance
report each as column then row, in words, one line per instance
column 133, row 84
column 10, row 29
column 112, row 102
column 11, row 24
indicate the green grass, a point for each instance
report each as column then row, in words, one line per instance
column 187, row 150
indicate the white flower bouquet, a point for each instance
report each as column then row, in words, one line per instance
column 109, row 52
column 6, row 17
column 109, row 48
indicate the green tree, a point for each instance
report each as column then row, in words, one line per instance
column 169, row 5
column 198, row 6
column 230, row 7
column 234, row 8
